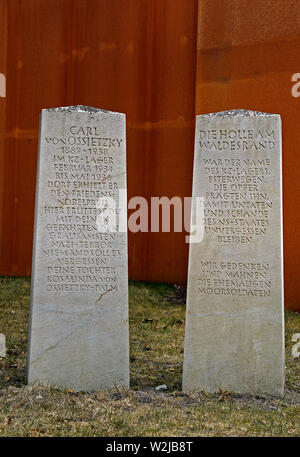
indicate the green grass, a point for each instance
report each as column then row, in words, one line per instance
column 156, row 345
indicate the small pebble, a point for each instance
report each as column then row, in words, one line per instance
column 162, row 387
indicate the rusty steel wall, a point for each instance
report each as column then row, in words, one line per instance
column 160, row 62
column 132, row 56
column 246, row 57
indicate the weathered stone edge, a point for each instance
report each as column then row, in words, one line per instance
column 237, row 112
column 80, row 109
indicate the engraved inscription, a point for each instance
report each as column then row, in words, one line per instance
column 82, row 170
column 243, row 279
column 237, row 206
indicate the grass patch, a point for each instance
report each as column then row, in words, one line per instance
column 156, row 352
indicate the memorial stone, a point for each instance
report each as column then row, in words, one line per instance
column 78, row 336
column 234, row 338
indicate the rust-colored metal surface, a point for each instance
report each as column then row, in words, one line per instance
column 33, row 41
column 247, row 53
column 133, row 56
column 140, row 57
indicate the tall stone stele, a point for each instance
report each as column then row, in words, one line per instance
column 79, row 296
column 234, row 338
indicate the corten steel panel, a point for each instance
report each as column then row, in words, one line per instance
column 245, row 59
column 36, row 46
column 145, row 51
column 3, row 41
column 132, row 56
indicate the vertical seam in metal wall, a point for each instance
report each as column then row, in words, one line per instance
column 16, row 145
column 149, row 95
column 195, row 73
column 2, row 152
